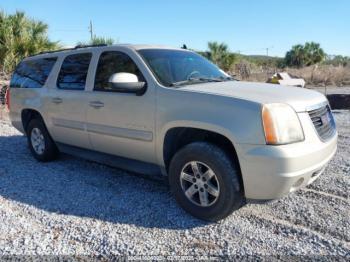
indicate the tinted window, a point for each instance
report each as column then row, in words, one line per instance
column 74, row 72
column 32, row 73
column 111, row 63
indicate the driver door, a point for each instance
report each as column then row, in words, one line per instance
column 121, row 124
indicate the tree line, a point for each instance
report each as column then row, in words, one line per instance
column 21, row 36
column 298, row 56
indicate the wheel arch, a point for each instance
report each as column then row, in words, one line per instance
column 27, row 115
column 176, row 136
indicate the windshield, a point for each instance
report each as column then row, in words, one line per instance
column 177, row 67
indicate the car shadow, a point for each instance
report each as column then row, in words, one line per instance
column 72, row 186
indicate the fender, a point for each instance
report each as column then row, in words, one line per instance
column 188, row 124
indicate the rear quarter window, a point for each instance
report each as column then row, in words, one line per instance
column 32, row 73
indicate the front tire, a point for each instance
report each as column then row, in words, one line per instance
column 40, row 142
column 205, row 182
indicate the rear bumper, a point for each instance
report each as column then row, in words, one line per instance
column 270, row 172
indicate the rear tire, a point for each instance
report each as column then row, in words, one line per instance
column 208, row 199
column 40, row 142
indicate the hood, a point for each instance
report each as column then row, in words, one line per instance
column 299, row 98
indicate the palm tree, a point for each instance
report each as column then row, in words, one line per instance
column 305, row 55
column 219, row 54
column 314, row 53
column 21, row 36
column 296, row 56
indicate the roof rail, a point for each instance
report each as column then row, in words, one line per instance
column 67, row 49
column 85, row 46
column 53, row 51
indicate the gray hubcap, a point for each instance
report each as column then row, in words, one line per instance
column 38, row 141
column 199, row 183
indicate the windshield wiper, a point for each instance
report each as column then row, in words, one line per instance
column 195, row 80
column 227, row 78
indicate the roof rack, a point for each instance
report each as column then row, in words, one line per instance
column 67, row 49
column 85, row 46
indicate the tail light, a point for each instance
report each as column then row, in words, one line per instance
column 7, row 99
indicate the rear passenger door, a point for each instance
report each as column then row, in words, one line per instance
column 68, row 101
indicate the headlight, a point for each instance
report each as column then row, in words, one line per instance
column 281, row 124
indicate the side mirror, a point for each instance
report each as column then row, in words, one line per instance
column 126, row 83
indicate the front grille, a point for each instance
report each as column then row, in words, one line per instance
column 323, row 121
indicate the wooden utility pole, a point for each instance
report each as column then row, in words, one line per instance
column 267, row 50
column 91, row 31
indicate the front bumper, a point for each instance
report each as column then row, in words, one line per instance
column 270, row 172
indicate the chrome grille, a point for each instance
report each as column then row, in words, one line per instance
column 323, row 121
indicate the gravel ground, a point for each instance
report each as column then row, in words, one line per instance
column 75, row 207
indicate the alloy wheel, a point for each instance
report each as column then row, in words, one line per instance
column 199, row 183
column 38, row 141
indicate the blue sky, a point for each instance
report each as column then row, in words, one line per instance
column 248, row 26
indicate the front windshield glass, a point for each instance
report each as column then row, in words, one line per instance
column 177, row 67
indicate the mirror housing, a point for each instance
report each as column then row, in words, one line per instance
column 126, row 83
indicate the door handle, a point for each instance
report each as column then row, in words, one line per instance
column 57, row 100
column 96, row 104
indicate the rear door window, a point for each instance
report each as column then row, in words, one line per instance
column 32, row 73
column 74, row 71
